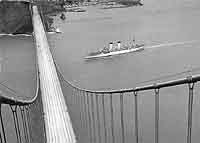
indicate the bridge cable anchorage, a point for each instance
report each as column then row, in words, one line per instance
column 190, row 106
column 104, row 118
column 98, row 121
column 112, row 118
column 16, row 123
column 122, row 116
column 136, row 117
column 156, row 115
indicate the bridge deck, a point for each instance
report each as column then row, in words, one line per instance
column 57, row 121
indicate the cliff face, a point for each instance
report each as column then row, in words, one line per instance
column 15, row 17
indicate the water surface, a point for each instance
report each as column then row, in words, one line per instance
column 157, row 22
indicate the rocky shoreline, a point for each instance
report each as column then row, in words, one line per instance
column 15, row 17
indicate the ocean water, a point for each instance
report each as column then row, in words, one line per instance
column 17, row 77
column 156, row 22
column 17, row 66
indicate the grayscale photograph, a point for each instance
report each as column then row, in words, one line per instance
column 99, row 71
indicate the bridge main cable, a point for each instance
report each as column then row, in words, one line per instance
column 58, row 125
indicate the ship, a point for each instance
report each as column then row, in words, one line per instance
column 117, row 50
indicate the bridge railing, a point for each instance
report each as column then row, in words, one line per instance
column 105, row 116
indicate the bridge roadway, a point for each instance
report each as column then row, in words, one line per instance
column 57, row 121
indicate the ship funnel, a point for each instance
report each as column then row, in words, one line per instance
column 110, row 46
column 119, row 44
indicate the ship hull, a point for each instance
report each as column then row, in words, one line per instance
column 115, row 53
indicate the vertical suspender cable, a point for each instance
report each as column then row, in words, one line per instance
column 156, row 115
column 99, row 126
column 89, row 118
column 93, row 117
column 2, row 126
column 122, row 116
column 190, row 104
column 112, row 119
column 136, row 118
column 104, row 118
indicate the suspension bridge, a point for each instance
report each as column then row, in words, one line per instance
column 98, row 116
